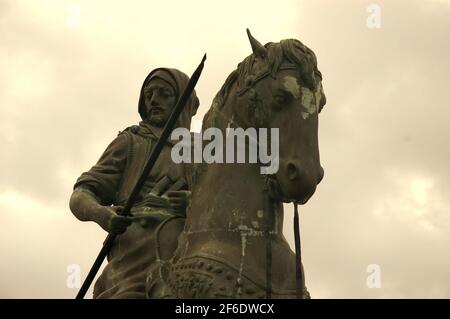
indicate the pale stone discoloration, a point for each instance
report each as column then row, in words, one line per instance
column 260, row 214
column 318, row 95
column 291, row 85
column 276, row 213
column 308, row 102
column 241, row 266
column 310, row 99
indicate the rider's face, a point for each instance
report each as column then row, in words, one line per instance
column 159, row 100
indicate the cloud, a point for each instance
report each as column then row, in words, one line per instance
column 415, row 200
column 39, row 242
column 66, row 92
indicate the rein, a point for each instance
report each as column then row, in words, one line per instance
column 262, row 75
column 298, row 255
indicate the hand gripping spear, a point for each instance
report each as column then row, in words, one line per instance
column 109, row 241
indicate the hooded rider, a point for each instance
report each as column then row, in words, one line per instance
column 151, row 234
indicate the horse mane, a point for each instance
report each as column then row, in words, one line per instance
column 289, row 51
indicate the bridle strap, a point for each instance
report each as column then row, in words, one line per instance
column 298, row 255
column 268, row 266
column 269, row 251
column 262, row 75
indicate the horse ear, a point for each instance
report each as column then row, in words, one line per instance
column 258, row 49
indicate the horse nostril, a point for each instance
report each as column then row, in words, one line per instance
column 292, row 171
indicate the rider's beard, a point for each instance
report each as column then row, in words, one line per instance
column 157, row 119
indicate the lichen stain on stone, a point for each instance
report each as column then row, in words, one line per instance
column 310, row 100
column 318, row 95
column 291, row 85
column 275, row 230
column 248, row 231
column 241, row 266
column 308, row 103
column 260, row 214
column 238, row 217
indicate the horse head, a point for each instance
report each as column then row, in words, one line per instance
column 279, row 86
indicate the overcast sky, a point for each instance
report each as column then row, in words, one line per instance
column 70, row 74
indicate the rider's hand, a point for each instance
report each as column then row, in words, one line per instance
column 179, row 200
column 117, row 224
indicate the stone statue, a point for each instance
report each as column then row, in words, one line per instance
column 232, row 245
column 150, row 235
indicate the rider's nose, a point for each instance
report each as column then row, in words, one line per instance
column 154, row 102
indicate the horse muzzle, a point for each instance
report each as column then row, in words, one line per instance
column 293, row 185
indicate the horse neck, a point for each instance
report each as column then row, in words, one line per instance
column 231, row 196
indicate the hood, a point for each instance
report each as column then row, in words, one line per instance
column 178, row 80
